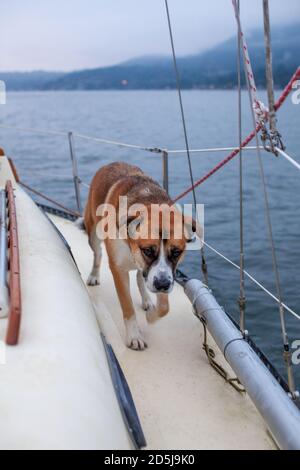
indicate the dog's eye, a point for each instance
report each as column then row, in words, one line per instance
column 149, row 251
column 175, row 253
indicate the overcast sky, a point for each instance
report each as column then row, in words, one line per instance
column 75, row 34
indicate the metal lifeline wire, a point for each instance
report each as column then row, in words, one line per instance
column 255, row 281
column 204, row 266
column 49, row 199
column 160, row 150
column 83, row 136
column 251, row 86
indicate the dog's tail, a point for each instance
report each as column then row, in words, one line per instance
column 80, row 223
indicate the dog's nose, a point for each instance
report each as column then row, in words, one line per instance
column 161, row 284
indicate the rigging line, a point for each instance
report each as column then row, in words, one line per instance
column 290, row 159
column 81, row 136
column 180, row 99
column 119, row 144
column 210, row 149
column 269, row 71
column 84, row 183
column 269, row 225
column 274, row 137
column 38, row 193
column 278, row 104
column 153, row 149
column 34, row 131
column 242, row 298
column 204, row 267
column 247, row 274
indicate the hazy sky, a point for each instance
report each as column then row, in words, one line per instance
column 75, row 34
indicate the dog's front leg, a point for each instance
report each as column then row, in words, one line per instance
column 134, row 338
column 161, row 309
column 95, row 244
column 147, row 303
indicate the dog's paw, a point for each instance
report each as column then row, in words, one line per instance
column 134, row 338
column 93, row 280
column 148, row 305
column 137, row 344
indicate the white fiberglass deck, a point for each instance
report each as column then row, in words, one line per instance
column 182, row 402
column 56, row 391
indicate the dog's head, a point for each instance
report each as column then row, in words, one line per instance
column 157, row 239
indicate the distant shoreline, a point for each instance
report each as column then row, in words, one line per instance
column 213, row 69
column 128, row 90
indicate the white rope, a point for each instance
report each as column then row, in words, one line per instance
column 289, row 159
column 211, row 149
column 253, row 280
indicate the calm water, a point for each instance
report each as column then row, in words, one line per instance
column 152, row 119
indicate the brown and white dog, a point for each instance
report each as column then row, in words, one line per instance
column 154, row 249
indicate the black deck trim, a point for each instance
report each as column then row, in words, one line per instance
column 55, row 211
column 47, row 210
column 124, row 397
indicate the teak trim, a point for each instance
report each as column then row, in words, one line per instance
column 15, row 306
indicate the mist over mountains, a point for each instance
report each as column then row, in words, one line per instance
column 214, row 68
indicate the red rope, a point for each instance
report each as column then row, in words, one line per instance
column 278, row 103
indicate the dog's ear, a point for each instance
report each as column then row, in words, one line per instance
column 191, row 229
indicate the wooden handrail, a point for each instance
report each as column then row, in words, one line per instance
column 15, row 306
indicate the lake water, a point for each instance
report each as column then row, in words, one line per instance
column 151, row 118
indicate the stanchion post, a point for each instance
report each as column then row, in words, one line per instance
column 75, row 171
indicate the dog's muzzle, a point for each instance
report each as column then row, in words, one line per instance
column 162, row 284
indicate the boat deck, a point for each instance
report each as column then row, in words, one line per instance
column 181, row 401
